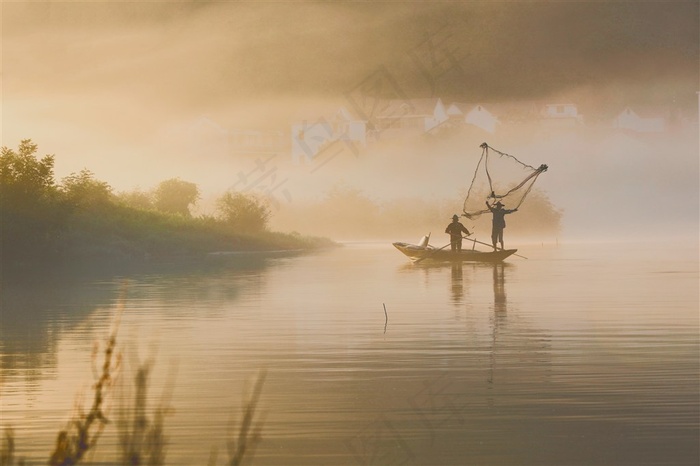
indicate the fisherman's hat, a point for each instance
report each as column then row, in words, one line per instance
column 455, row 217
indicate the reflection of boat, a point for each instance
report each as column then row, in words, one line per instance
column 429, row 253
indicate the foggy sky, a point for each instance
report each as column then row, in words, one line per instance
column 109, row 86
column 192, row 57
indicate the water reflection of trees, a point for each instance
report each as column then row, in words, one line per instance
column 36, row 310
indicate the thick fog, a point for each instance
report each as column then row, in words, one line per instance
column 142, row 92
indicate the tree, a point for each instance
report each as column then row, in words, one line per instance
column 350, row 210
column 24, row 178
column 246, row 213
column 539, row 215
column 175, row 196
column 136, row 199
column 83, row 190
column 31, row 213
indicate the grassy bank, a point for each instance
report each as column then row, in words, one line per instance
column 133, row 234
column 45, row 224
column 125, row 237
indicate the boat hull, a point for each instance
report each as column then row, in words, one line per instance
column 418, row 253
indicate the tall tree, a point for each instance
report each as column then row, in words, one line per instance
column 30, row 209
column 175, row 196
column 24, row 178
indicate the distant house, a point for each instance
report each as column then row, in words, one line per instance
column 396, row 118
column 436, row 117
column 630, row 120
column 347, row 128
column 310, row 137
column 455, row 111
column 481, row 118
column 560, row 111
column 560, row 116
column 495, row 116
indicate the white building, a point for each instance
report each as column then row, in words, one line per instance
column 630, row 120
column 481, row 118
column 398, row 118
column 561, row 116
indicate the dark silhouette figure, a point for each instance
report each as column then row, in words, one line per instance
column 499, row 222
column 455, row 230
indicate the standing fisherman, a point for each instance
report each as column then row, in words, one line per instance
column 455, row 230
column 499, row 222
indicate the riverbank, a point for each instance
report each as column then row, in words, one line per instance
column 177, row 250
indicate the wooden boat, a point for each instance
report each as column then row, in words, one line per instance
column 429, row 253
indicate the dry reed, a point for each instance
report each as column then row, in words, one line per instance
column 83, row 432
column 242, row 448
column 248, row 436
column 7, row 450
column 142, row 440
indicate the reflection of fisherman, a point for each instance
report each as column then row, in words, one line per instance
column 457, row 284
column 455, row 230
column 499, row 288
column 499, row 222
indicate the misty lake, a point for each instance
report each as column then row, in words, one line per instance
column 581, row 354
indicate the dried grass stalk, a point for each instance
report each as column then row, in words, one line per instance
column 142, row 441
column 83, row 432
column 243, row 448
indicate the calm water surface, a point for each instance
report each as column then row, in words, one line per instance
column 578, row 355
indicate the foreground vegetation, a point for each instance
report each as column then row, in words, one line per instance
column 82, row 219
column 141, row 431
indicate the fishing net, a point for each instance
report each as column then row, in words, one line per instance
column 499, row 177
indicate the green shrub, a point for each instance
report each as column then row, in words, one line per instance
column 244, row 213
